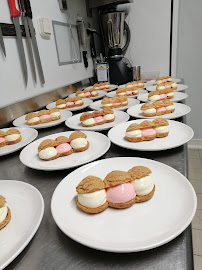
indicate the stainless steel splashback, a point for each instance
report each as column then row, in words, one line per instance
column 113, row 28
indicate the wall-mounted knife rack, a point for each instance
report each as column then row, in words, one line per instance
column 8, row 30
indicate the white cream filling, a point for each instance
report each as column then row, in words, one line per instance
column 158, row 82
column 55, row 114
column 94, row 92
column 154, row 97
column 169, row 79
column 174, row 84
column 171, row 107
column 96, row 88
column 3, row 213
column 13, row 137
column 78, row 143
column 140, row 84
column 107, row 105
column 121, row 94
column 144, row 185
column 152, row 110
column 170, row 94
column 128, row 86
column 81, row 95
column 135, row 92
column 61, row 106
column 47, row 153
column 161, row 88
column 109, row 116
column 33, row 120
column 162, row 129
column 90, row 121
column 124, row 102
column 78, row 102
column 134, row 134
column 94, row 199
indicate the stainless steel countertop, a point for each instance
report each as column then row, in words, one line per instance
column 50, row 249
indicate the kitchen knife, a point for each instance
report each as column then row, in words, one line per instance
column 29, row 46
column 28, row 14
column 2, row 43
column 15, row 16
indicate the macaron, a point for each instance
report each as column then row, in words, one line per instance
column 135, row 90
column 93, row 92
column 78, row 101
column 54, row 114
column 142, row 183
column 161, row 127
column 147, row 130
column 98, row 117
column 5, row 213
column 60, row 104
column 121, row 92
column 119, row 190
column 108, row 115
column 87, row 119
column 2, row 138
column 13, row 136
column 169, row 105
column 133, row 133
column 169, row 93
column 107, row 85
column 91, row 196
column 80, row 93
column 148, row 109
column 78, row 141
column 106, row 102
column 96, row 86
column 116, row 101
column 32, row 119
column 47, row 150
column 87, row 93
column 63, row 146
column 154, row 96
column 44, row 116
column 140, row 84
column 69, row 102
column 128, row 85
column 124, row 100
column 160, row 107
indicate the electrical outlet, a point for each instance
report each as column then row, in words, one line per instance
column 62, row 4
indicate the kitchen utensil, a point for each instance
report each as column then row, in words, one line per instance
column 136, row 73
column 15, row 16
column 28, row 14
column 2, row 43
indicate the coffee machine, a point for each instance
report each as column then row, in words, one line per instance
column 113, row 27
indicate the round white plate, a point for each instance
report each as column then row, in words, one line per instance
column 112, row 87
column 141, row 227
column 185, row 133
column 86, row 103
column 180, row 87
column 74, row 122
column 20, row 122
column 141, row 92
column 152, row 82
column 180, row 110
column 99, row 145
column 101, row 93
column 178, row 96
column 28, row 135
column 98, row 106
column 27, row 208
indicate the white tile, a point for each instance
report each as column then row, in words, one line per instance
column 197, row 220
column 195, row 173
column 197, row 262
column 194, row 163
column 197, row 185
column 197, row 241
column 199, row 201
column 193, row 153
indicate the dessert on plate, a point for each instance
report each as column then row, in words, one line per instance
column 166, row 85
column 5, row 213
column 163, row 79
column 139, row 84
column 86, row 93
column 69, row 103
column 101, row 86
column 11, row 136
column 157, row 108
column 131, row 91
column 90, row 119
column 115, row 102
column 161, row 95
column 43, row 116
column 63, row 146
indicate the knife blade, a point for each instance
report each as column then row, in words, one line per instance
column 2, row 43
column 28, row 14
column 29, row 46
column 15, row 16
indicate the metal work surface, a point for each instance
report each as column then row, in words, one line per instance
column 50, row 249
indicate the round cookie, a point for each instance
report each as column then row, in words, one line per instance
column 98, row 114
column 116, row 102
column 42, row 113
column 63, row 140
column 61, row 104
column 106, row 103
column 79, row 135
column 55, row 114
column 85, row 116
column 29, row 116
column 135, row 138
column 147, row 125
column 13, row 131
column 148, row 106
column 161, row 127
column 48, row 143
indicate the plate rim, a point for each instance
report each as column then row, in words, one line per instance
column 66, row 168
column 127, row 250
column 186, row 87
column 186, row 96
column 69, row 109
column 36, row 227
column 150, row 150
column 123, row 107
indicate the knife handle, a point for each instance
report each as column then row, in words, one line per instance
column 28, row 10
column 13, row 10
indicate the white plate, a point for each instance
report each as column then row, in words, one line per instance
column 180, row 110
column 178, row 96
column 74, row 122
column 180, row 87
column 101, row 93
column 99, row 145
column 28, row 135
column 112, row 87
column 113, row 94
column 184, row 134
column 152, row 82
column 98, row 106
column 20, row 122
column 141, row 227
column 86, row 103
column 27, row 208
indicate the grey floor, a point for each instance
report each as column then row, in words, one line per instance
column 195, row 177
